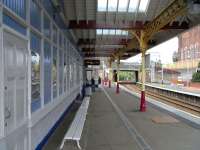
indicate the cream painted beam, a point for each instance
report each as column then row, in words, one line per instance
column 173, row 10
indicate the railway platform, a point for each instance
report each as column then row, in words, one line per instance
column 114, row 122
column 191, row 90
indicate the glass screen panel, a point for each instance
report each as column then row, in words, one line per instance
column 35, row 72
column 47, row 72
column 54, row 71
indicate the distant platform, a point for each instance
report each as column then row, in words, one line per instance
column 127, row 82
column 186, row 90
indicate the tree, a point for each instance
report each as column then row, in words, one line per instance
column 126, row 75
column 196, row 75
column 199, row 65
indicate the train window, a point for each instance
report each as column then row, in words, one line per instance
column 47, row 72
column 35, row 44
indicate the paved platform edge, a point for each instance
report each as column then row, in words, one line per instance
column 130, row 127
column 188, row 118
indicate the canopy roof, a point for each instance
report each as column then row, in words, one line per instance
column 100, row 27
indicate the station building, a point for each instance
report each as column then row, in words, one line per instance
column 46, row 48
column 189, row 44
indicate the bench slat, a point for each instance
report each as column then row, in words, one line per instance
column 78, row 133
column 73, row 126
column 79, row 130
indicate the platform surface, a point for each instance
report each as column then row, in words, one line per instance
column 108, row 128
column 160, row 136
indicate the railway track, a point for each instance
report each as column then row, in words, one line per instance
column 178, row 103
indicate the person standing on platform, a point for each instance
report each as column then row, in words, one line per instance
column 99, row 80
column 93, row 84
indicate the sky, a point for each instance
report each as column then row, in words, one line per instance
column 163, row 51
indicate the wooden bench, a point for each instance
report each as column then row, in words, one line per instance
column 75, row 130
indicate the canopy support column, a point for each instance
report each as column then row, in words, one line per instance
column 143, row 46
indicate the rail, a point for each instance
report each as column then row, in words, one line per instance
column 180, row 99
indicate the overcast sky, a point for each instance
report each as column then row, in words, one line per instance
column 163, row 51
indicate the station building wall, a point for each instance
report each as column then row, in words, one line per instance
column 189, row 44
column 41, row 72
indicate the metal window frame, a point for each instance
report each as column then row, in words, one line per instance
column 1, row 77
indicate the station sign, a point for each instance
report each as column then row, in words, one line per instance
column 91, row 62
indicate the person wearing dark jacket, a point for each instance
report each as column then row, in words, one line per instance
column 93, row 84
column 99, row 80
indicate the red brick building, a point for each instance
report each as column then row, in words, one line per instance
column 189, row 44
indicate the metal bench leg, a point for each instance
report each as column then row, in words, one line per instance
column 78, row 144
column 62, row 145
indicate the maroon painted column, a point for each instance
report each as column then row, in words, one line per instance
column 117, row 88
column 142, row 102
column 142, row 99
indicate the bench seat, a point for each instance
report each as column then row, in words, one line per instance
column 75, row 130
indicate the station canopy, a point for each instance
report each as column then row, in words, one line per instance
column 101, row 27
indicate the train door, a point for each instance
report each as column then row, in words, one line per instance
column 15, row 82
